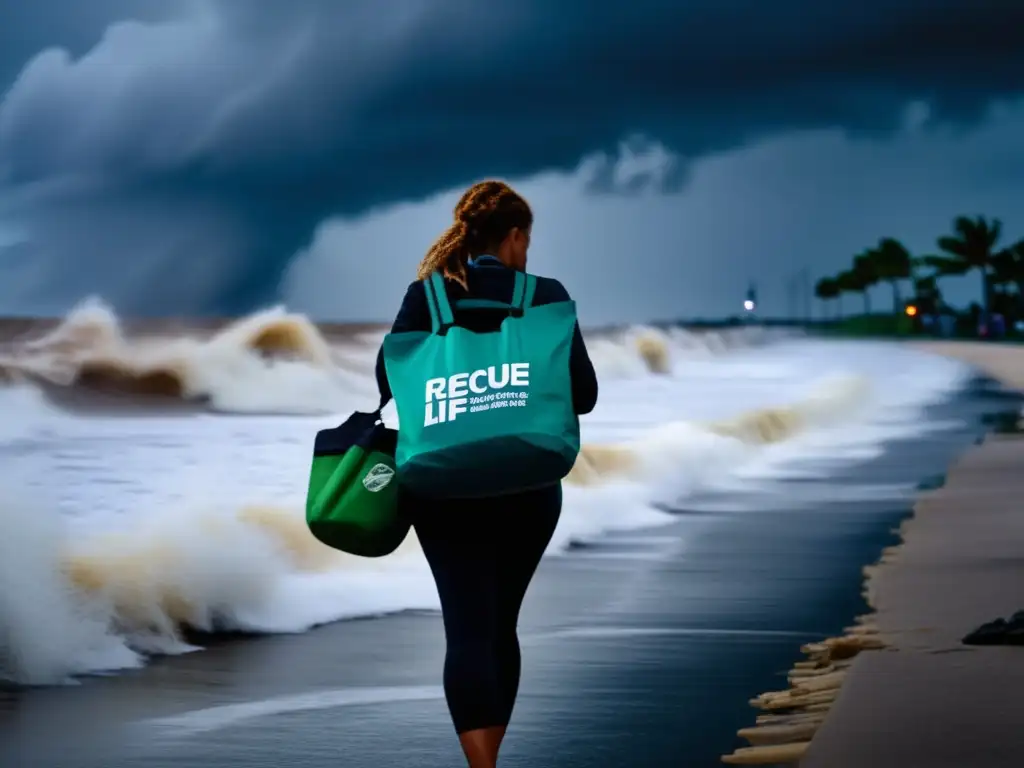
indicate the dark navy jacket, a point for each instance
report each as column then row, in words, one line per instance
column 490, row 279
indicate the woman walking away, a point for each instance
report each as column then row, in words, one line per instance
column 483, row 548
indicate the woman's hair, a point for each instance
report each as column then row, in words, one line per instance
column 484, row 216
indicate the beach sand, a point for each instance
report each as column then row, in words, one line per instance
column 919, row 696
column 1003, row 362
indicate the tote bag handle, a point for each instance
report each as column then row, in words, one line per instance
column 441, row 316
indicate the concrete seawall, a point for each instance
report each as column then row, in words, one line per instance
column 900, row 688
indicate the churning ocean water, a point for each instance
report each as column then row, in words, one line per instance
column 154, row 484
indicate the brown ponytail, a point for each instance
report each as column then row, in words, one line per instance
column 448, row 255
column 483, row 217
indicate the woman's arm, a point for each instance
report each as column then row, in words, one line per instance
column 413, row 315
column 584, row 377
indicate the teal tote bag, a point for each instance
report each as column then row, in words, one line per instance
column 484, row 414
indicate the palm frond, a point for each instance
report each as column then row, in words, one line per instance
column 945, row 265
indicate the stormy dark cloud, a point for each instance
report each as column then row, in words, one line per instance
column 26, row 28
column 180, row 162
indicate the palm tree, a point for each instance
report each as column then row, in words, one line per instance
column 1008, row 269
column 826, row 289
column 892, row 262
column 970, row 248
column 940, row 266
column 863, row 276
column 854, row 281
column 927, row 296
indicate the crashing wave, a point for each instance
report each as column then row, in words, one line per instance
column 275, row 361
column 257, row 568
column 832, row 400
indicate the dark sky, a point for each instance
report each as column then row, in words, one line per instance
column 214, row 156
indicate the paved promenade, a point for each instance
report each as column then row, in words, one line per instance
column 928, row 700
column 900, row 689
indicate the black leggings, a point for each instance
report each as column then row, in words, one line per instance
column 483, row 553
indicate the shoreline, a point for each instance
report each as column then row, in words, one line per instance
column 841, row 706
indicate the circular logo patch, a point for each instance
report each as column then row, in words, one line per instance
column 378, row 478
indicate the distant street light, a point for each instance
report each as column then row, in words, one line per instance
column 748, row 305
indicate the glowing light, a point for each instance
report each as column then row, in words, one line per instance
column 748, row 305
column 911, row 310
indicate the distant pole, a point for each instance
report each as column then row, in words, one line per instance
column 808, row 302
